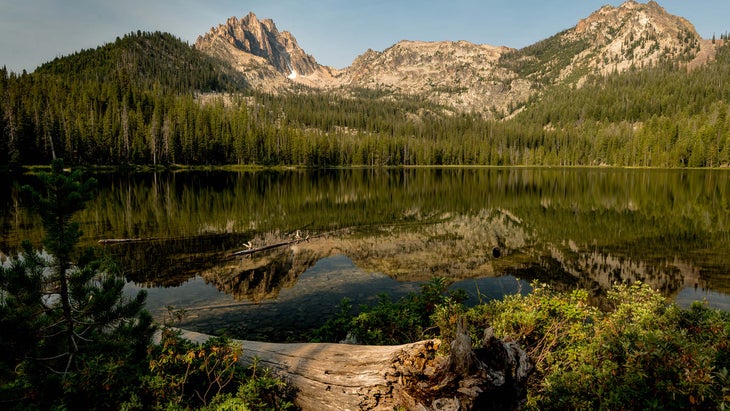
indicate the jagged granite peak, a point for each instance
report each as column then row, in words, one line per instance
column 248, row 43
column 464, row 76
column 635, row 21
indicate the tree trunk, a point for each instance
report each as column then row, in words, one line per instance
column 413, row 376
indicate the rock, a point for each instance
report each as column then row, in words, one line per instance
column 253, row 45
column 463, row 76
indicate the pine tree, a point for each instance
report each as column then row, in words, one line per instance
column 69, row 336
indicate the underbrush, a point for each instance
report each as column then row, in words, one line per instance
column 391, row 322
column 183, row 375
column 643, row 352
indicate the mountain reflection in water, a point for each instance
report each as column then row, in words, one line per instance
column 278, row 292
column 373, row 230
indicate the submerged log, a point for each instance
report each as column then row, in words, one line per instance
column 106, row 241
column 414, row 376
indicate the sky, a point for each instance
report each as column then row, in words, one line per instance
column 335, row 32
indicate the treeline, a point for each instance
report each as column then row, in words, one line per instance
column 150, row 98
column 665, row 116
column 146, row 60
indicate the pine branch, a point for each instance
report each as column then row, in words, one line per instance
column 52, row 325
column 68, row 364
column 81, row 337
column 55, row 357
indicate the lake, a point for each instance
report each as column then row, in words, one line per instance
column 325, row 235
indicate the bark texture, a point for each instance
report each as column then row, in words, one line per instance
column 358, row 377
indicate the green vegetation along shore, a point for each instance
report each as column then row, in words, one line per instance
column 71, row 341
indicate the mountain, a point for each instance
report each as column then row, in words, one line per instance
column 627, row 86
column 144, row 59
column 262, row 54
column 461, row 75
column 468, row 77
column 612, row 39
column 638, row 35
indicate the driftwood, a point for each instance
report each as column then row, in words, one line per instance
column 413, row 376
column 296, row 240
column 264, row 248
column 106, row 241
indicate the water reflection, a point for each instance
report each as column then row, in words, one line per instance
column 262, row 277
column 160, row 262
column 568, row 227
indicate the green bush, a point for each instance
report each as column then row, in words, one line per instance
column 187, row 374
column 391, row 322
column 184, row 375
column 643, row 353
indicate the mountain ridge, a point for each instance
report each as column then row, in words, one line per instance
column 151, row 98
column 468, row 77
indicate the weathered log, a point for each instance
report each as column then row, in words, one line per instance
column 264, row 248
column 414, row 376
column 296, row 240
column 105, row 241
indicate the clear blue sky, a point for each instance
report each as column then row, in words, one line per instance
column 333, row 31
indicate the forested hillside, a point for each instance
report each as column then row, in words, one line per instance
column 149, row 98
column 664, row 116
column 145, row 60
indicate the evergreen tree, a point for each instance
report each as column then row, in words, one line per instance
column 70, row 339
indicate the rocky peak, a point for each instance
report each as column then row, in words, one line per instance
column 259, row 38
column 634, row 34
column 459, row 74
column 462, row 75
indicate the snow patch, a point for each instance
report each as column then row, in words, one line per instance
column 292, row 75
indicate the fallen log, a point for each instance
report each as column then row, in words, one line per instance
column 414, row 376
column 106, row 241
column 296, row 240
column 264, row 248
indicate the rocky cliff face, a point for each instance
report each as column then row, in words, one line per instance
column 465, row 76
column 461, row 74
column 257, row 48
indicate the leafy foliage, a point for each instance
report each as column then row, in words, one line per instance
column 643, row 353
column 389, row 322
column 187, row 374
column 207, row 376
column 182, row 375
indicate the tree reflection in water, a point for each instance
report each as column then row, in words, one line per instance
column 391, row 229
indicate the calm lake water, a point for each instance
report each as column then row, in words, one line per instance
column 359, row 232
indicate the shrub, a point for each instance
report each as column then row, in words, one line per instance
column 185, row 375
column 643, row 353
column 392, row 322
column 188, row 374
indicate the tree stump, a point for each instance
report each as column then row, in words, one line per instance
column 414, row 376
